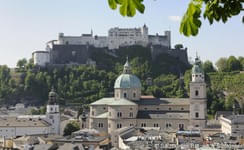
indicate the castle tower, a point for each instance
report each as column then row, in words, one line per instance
column 198, row 98
column 144, row 31
column 52, row 113
column 168, row 35
column 127, row 85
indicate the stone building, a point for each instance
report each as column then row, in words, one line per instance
column 14, row 126
column 129, row 108
column 78, row 49
column 232, row 124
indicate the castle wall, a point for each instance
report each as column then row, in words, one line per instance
column 66, row 54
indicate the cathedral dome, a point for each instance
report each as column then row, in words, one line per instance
column 127, row 81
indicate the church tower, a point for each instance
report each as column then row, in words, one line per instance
column 52, row 113
column 198, row 97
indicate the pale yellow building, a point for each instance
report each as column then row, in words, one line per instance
column 129, row 108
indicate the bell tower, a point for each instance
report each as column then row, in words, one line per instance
column 52, row 113
column 198, row 97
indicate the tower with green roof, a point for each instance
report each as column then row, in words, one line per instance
column 198, row 98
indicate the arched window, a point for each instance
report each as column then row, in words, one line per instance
column 119, row 114
column 196, row 93
column 125, row 95
column 196, row 114
column 134, row 95
column 119, row 125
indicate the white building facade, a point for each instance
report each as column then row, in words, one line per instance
column 117, row 37
column 41, row 58
column 13, row 126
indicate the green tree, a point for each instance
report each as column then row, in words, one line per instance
column 241, row 60
column 222, row 64
column 233, row 64
column 21, row 64
column 71, row 127
column 215, row 10
column 208, row 67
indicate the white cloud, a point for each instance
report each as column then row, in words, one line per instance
column 175, row 18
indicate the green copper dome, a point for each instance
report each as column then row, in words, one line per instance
column 127, row 81
column 197, row 67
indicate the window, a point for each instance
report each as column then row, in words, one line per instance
column 119, row 114
column 131, row 125
column 197, row 125
column 104, row 108
column 100, row 125
column 131, row 108
column 196, row 92
column 92, row 113
column 145, row 108
column 134, row 95
column 169, row 108
column 131, row 114
column 125, row 95
column 181, row 126
column 196, row 114
column 182, row 108
column 168, row 125
column 143, row 125
column 157, row 108
column 155, row 125
column 119, row 125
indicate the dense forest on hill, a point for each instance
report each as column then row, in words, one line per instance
column 84, row 84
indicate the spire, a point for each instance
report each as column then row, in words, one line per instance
column 127, row 68
column 91, row 32
column 52, row 97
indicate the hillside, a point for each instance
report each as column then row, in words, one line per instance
column 85, row 84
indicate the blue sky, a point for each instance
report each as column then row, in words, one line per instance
column 26, row 25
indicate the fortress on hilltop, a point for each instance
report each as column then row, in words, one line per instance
column 77, row 49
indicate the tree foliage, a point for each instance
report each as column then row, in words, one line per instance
column 208, row 67
column 213, row 10
column 71, row 127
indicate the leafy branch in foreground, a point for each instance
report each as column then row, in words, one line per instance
column 127, row 7
column 215, row 10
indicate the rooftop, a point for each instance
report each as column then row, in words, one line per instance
column 236, row 119
column 113, row 101
column 163, row 114
column 163, row 101
column 22, row 122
